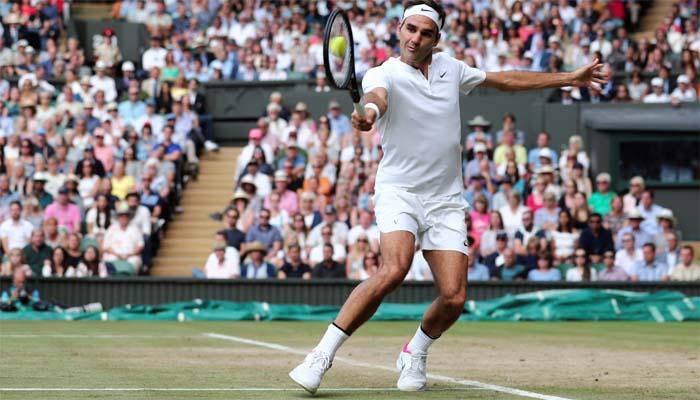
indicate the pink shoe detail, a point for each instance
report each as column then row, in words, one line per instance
column 405, row 349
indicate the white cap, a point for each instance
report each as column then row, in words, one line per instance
column 479, row 147
column 683, row 78
column 128, row 66
column 100, row 64
column 657, row 81
column 546, row 152
column 567, row 88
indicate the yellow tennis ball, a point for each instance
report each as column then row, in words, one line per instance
column 337, row 46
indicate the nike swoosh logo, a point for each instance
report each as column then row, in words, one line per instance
column 443, row 74
column 423, row 9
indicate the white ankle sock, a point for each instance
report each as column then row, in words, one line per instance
column 420, row 342
column 332, row 340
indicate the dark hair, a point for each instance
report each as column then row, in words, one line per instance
column 94, row 265
column 432, row 4
column 586, row 267
column 569, row 225
column 16, row 202
column 650, row 244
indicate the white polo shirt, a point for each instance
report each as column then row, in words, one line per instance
column 420, row 131
column 18, row 234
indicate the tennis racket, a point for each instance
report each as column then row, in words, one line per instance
column 339, row 56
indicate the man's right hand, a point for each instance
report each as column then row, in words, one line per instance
column 363, row 124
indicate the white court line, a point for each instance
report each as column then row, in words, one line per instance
column 442, row 378
column 185, row 389
column 78, row 336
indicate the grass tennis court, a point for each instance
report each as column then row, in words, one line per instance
column 568, row 360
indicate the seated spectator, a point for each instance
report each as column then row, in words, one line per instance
column 595, row 239
column 582, row 270
column 15, row 232
column 479, row 134
column 666, row 230
column 370, row 265
column 535, row 200
column 99, row 217
column 547, row 218
column 90, row 265
column 611, row 272
column 37, row 254
column 544, row 271
column 257, row 267
column 477, row 271
column 317, row 252
column 649, row 211
column 294, row 267
column 629, row 254
column 477, row 186
column 577, row 153
column 657, row 94
column 513, row 213
column 684, row 92
column 265, row 233
column 616, row 218
column 535, row 155
column 634, row 227
column 15, row 262
column 631, row 199
column 649, row 268
column 366, row 228
column 563, row 240
column 525, row 233
column 686, row 269
column 220, row 265
column 474, row 166
column 234, row 236
column 330, row 218
column 494, row 259
column 288, row 199
column 328, row 268
column 509, row 269
column 487, row 245
column 600, row 201
column 123, row 241
column 508, row 143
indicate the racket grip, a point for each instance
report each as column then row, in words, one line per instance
column 359, row 109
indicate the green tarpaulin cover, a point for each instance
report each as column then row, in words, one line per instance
column 548, row 305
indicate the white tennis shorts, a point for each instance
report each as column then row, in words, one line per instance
column 437, row 222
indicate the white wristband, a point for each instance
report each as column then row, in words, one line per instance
column 374, row 107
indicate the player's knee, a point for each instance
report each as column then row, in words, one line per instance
column 390, row 277
column 454, row 301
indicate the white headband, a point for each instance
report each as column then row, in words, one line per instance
column 424, row 10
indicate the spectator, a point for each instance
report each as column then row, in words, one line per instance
column 220, row 265
column 328, row 268
column 544, row 271
column 257, row 267
column 595, row 239
column 90, row 265
column 123, row 241
column 479, row 133
column 477, row 271
column 234, row 236
column 294, row 267
column 526, row 232
column 563, row 240
column 649, row 268
column 657, row 94
column 15, row 262
column 513, row 213
column 649, row 211
column 611, row 272
column 364, row 227
column 370, row 265
column 684, row 92
column 582, row 270
column 600, row 201
column 488, row 242
column 474, row 166
column 317, row 252
column 547, row 217
column 15, row 232
column 634, row 227
column 339, row 122
column 37, row 253
column 686, row 269
column 509, row 269
column 263, row 232
column 495, row 259
column 631, row 199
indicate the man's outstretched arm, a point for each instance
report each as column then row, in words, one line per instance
column 524, row 80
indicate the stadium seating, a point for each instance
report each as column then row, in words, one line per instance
column 88, row 141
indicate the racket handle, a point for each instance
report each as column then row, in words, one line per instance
column 359, row 109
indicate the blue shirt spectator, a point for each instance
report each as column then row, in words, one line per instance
column 641, row 236
column 265, row 233
column 340, row 123
column 477, row 271
column 133, row 108
column 538, row 275
column 653, row 271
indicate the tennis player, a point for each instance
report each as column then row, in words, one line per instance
column 414, row 100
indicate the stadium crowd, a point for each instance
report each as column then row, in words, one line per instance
column 95, row 151
column 91, row 163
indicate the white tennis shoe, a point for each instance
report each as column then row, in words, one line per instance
column 309, row 373
column 412, row 368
